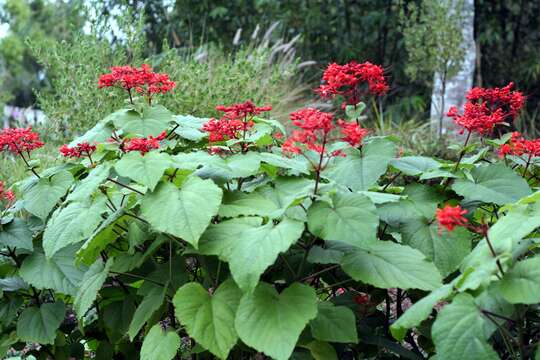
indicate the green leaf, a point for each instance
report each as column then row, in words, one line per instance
column 458, row 331
column 41, row 198
column 145, row 169
column 354, row 112
column 419, row 312
column 520, row 221
column 189, row 127
column 415, row 165
column 39, row 325
column 351, row 218
column 159, row 344
column 494, row 183
column 16, row 234
column 184, row 212
column 298, row 165
column 334, row 324
column 92, row 282
column 233, row 167
column 72, row 224
column 321, row 350
column 272, row 322
column 89, row 184
column 153, row 121
column 151, row 302
column 249, row 247
column 237, row 203
column 386, row 264
column 521, row 284
column 318, row 255
column 207, row 317
column 104, row 235
column 57, row 272
column 360, row 170
column 446, row 249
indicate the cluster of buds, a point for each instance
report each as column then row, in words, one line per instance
column 19, row 140
column 347, row 80
column 142, row 80
column 82, row 149
column 6, row 195
column 143, row 145
column 236, row 121
column 519, row 146
column 487, row 108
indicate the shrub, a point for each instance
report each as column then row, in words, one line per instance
column 205, row 78
column 171, row 235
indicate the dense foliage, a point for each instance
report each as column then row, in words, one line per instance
column 166, row 235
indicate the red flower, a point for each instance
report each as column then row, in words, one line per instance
column 78, row 150
column 143, row 80
column 361, row 299
column 518, row 146
column 143, row 145
column 346, row 80
column 450, row 217
column 7, row 195
column 235, row 122
column 315, row 127
column 243, row 110
column 19, row 140
column 487, row 108
column 352, row 132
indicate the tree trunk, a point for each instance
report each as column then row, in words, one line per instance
column 453, row 92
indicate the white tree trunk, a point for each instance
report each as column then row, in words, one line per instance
column 458, row 85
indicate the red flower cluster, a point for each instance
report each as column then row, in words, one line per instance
column 450, row 217
column 19, row 140
column 352, row 132
column 346, row 80
column 143, row 145
column 143, row 80
column 243, row 110
column 6, row 195
column 235, row 122
column 520, row 146
column 315, row 128
column 77, row 151
column 487, row 108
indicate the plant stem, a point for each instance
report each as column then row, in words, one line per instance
column 391, row 181
column 461, row 154
column 28, row 165
column 493, row 253
column 319, row 167
column 319, row 272
column 125, row 186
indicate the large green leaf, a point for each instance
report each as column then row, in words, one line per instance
column 494, row 183
column 152, row 121
column 184, row 212
column 446, row 249
column 385, row 264
column 189, row 127
column 519, row 222
column 321, row 350
column 237, row 203
column 521, row 284
column 249, row 247
column 16, row 234
column 233, row 167
column 459, row 331
column 145, row 169
column 272, row 322
column 360, row 170
column 41, row 198
column 419, row 311
column 72, row 224
column 334, row 324
column 89, row 184
column 39, row 325
column 160, row 344
column 415, row 165
column 351, row 218
column 57, row 272
column 151, row 302
column 207, row 317
column 92, row 282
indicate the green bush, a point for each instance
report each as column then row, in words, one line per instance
column 183, row 237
